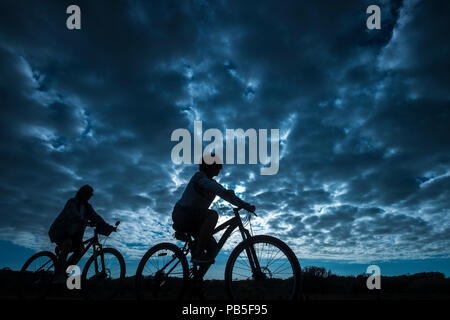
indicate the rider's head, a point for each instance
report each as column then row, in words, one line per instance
column 85, row 193
column 211, row 165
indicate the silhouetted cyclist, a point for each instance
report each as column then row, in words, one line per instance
column 191, row 213
column 67, row 230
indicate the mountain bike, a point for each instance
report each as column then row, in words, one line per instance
column 260, row 267
column 101, row 278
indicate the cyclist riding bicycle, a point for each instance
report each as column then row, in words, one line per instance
column 191, row 213
column 67, row 230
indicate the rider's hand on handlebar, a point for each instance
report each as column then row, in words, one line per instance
column 115, row 226
column 250, row 208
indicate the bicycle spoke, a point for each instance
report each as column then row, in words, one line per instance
column 273, row 259
column 243, row 268
column 279, row 272
column 239, row 274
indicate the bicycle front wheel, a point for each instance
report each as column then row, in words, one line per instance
column 162, row 273
column 262, row 268
column 103, row 275
column 36, row 276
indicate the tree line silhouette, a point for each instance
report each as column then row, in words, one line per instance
column 317, row 283
column 317, row 280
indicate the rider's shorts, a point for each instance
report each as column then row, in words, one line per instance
column 190, row 219
column 77, row 241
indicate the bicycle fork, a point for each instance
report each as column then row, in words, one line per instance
column 102, row 262
column 253, row 258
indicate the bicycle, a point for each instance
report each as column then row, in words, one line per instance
column 260, row 267
column 101, row 278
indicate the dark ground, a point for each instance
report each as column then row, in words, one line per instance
column 317, row 284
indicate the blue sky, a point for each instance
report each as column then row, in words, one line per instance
column 364, row 170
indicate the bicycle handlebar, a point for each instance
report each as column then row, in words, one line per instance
column 240, row 208
column 92, row 225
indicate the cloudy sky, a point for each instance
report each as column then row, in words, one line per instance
column 364, row 119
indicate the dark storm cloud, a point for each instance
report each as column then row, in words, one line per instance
column 363, row 116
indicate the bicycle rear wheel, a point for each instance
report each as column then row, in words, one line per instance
column 277, row 278
column 162, row 273
column 103, row 281
column 36, row 276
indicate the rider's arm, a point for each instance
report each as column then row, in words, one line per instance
column 210, row 185
column 227, row 195
column 102, row 227
column 230, row 196
column 93, row 216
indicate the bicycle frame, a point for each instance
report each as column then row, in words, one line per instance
column 230, row 225
column 97, row 248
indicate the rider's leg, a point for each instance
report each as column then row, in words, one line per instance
column 64, row 251
column 206, row 232
column 211, row 246
column 77, row 247
column 60, row 268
